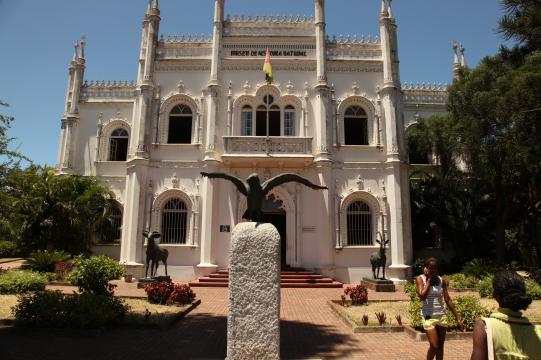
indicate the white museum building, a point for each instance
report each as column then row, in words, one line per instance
column 336, row 114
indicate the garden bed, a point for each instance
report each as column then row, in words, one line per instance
column 141, row 313
column 351, row 315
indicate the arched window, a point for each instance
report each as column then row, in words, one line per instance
column 267, row 118
column 246, row 121
column 355, row 126
column 359, row 224
column 118, row 145
column 180, row 125
column 174, row 222
column 289, row 121
column 113, row 225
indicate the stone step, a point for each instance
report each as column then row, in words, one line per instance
column 306, row 281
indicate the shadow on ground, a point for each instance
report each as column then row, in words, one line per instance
column 199, row 337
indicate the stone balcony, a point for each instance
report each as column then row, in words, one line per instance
column 283, row 150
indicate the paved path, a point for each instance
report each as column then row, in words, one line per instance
column 309, row 331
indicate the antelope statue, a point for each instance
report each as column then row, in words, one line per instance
column 155, row 254
column 378, row 259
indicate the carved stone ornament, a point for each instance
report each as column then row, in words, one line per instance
column 246, row 87
column 289, row 87
column 360, row 183
column 181, row 87
column 175, row 181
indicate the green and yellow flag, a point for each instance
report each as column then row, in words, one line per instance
column 267, row 68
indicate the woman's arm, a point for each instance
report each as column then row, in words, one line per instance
column 480, row 348
column 422, row 291
column 451, row 305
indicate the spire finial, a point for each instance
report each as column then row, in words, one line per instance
column 463, row 60
column 383, row 8
column 456, row 63
column 76, row 50
column 156, row 6
column 83, row 45
column 390, row 8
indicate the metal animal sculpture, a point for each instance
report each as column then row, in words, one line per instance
column 256, row 192
column 378, row 259
column 155, row 254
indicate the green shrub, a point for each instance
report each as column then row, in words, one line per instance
column 470, row 309
column 533, row 288
column 92, row 275
column 44, row 261
column 17, row 282
column 460, row 281
column 54, row 309
column 7, row 249
column 480, row 267
column 485, row 286
column 410, row 288
column 43, row 308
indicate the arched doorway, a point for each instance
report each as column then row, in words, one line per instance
column 274, row 213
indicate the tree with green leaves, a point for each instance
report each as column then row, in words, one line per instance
column 522, row 21
column 496, row 109
column 60, row 212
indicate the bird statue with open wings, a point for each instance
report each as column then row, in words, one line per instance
column 256, row 192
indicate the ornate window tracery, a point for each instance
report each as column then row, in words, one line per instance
column 355, row 126
column 180, row 125
column 118, row 145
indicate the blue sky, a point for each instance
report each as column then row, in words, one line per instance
column 37, row 36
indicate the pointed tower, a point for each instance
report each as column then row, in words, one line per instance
column 136, row 201
column 463, row 63
column 456, row 63
column 392, row 117
column 70, row 120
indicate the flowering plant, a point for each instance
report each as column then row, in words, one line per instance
column 358, row 294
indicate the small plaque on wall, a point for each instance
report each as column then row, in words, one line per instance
column 225, row 228
column 308, row 229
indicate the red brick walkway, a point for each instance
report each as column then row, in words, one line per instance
column 309, row 331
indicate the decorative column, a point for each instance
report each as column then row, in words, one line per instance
column 322, row 89
column 136, row 203
column 206, row 265
column 214, row 85
column 397, row 167
column 70, row 120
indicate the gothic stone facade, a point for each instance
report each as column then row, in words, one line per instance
column 335, row 114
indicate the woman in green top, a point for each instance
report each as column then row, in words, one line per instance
column 506, row 334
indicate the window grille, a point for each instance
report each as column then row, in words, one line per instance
column 359, row 224
column 246, row 121
column 174, row 221
column 118, row 145
column 289, row 121
column 112, row 232
column 180, row 125
column 355, row 126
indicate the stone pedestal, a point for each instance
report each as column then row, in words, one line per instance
column 378, row 285
column 253, row 324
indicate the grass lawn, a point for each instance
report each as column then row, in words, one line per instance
column 6, row 303
column 141, row 311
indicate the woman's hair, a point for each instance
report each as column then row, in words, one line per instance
column 431, row 260
column 511, row 290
